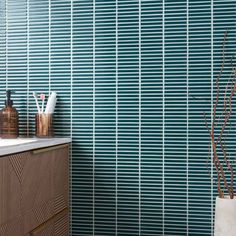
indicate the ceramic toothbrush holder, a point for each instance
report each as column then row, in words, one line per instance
column 44, row 125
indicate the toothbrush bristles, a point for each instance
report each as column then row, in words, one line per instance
column 42, row 96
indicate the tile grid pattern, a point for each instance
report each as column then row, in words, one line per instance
column 139, row 115
column 163, row 117
column 187, row 116
column 27, row 65
column 212, row 97
column 94, row 109
column 131, row 77
column 116, row 119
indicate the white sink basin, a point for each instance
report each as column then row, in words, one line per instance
column 12, row 142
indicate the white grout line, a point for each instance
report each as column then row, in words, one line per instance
column 94, row 112
column 49, row 46
column 187, row 111
column 117, row 104
column 163, row 113
column 71, row 108
column 140, row 114
column 28, row 80
column 6, row 21
column 212, row 97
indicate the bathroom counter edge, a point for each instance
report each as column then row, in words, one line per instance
column 39, row 143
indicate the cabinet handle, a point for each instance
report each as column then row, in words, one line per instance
column 42, row 150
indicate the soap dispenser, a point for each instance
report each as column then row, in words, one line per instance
column 9, row 120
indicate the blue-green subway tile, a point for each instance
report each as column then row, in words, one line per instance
column 151, row 53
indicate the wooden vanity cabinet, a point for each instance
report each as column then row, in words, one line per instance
column 34, row 192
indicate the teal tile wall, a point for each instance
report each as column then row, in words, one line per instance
column 133, row 79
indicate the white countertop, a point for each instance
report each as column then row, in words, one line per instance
column 10, row 146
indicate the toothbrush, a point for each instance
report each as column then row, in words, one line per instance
column 42, row 96
column 36, row 100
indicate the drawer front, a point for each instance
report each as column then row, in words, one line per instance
column 46, row 193
column 12, row 227
column 56, row 226
column 11, row 172
column 60, row 179
column 37, row 190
